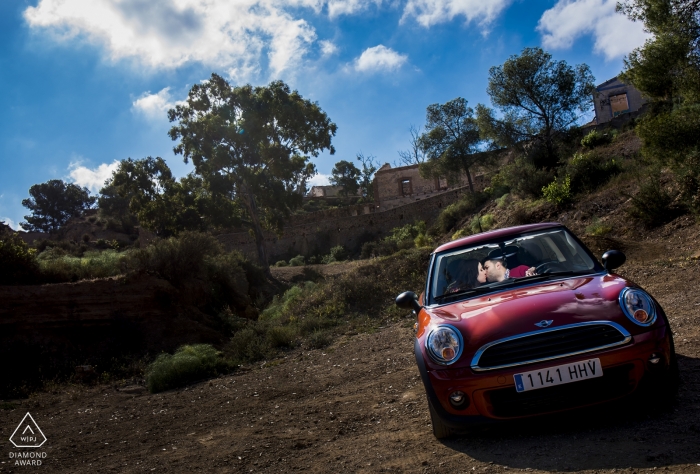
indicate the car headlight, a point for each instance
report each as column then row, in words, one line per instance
column 638, row 306
column 444, row 344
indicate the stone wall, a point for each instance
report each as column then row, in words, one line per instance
column 317, row 233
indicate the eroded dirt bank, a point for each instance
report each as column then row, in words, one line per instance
column 358, row 406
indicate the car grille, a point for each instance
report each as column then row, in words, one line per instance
column 549, row 344
column 615, row 383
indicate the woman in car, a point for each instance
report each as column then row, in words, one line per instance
column 467, row 274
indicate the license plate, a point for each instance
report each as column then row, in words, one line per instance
column 559, row 375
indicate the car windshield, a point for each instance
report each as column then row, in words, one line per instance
column 492, row 266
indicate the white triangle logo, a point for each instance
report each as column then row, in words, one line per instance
column 28, row 434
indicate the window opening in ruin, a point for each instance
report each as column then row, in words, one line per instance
column 619, row 104
column 442, row 183
column 406, row 188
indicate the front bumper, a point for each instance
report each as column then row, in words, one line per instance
column 493, row 397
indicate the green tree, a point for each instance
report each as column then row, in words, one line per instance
column 252, row 145
column 163, row 204
column 347, row 175
column 450, row 140
column 369, row 167
column 54, row 202
column 667, row 67
column 537, row 98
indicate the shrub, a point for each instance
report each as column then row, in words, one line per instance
column 457, row 211
column 382, row 248
column 281, row 263
column 481, row 223
column 339, row 253
column 669, row 137
column 249, row 345
column 503, row 201
column 597, row 228
column 282, row 336
column 423, row 240
column 320, row 339
column 189, row 364
column 86, row 238
column 652, row 204
column 557, row 192
column 589, row 171
column 57, row 266
column 595, row 138
column 459, row 234
column 297, row 261
column 17, row 261
column 524, row 178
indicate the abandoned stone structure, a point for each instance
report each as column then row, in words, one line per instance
column 394, row 187
column 325, row 191
column 613, row 98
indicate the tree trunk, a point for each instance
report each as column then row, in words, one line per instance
column 469, row 178
column 252, row 207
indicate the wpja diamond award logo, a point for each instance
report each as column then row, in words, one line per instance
column 28, row 435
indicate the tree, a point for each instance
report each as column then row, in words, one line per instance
column 537, row 98
column 347, row 175
column 667, row 66
column 54, row 202
column 369, row 166
column 252, row 145
column 161, row 203
column 415, row 155
column 451, row 140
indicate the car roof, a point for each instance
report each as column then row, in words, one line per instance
column 496, row 235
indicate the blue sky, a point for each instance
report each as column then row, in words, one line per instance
column 88, row 82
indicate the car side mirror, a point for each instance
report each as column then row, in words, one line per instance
column 408, row 300
column 613, row 259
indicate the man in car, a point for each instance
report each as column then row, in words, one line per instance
column 497, row 269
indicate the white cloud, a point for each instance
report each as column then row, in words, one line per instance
column 154, row 105
column 9, row 222
column 431, row 12
column 614, row 34
column 93, row 179
column 320, row 180
column 328, row 48
column 233, row 35
column 379, row 58
column 349, row 7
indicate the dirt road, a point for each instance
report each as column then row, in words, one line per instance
column 358, row 406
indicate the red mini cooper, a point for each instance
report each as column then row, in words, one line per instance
column 524, row 321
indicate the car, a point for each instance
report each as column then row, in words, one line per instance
column 550, row 329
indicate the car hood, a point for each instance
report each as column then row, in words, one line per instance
column 515, row 311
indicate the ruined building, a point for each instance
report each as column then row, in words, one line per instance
column 613, row 98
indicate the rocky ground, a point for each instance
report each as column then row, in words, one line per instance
column 359, row 406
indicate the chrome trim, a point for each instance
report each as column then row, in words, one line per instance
column 620, row 300
column 433, row 356
column 475, row 360
column 497, row 290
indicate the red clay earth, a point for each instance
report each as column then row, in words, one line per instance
column 359, row 406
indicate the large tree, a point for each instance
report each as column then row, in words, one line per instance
column 667, row 67
column 54, row 202
column 369, row 167
column 160, row 202
column 537, row 98
column 451, row 140
column 252, row 145
column 347, row 175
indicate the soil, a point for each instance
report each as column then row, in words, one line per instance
column 359, row 406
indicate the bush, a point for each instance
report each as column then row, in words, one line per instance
column 459, row 234
column 320, row 339
column 17, row 261
column 337, row 254
column 282, row 336
column 382, row 248
column 598, row 229
column 524, row 178
column 56, row 266
column 481, row 223
column 457, row 211
column 557, row 192
column 652, row 204
column 503, row 201
column 589, row 171
column 189, row 364
column 669, row 137
column 297, row 261
column 595, row 138
column 281, row 263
